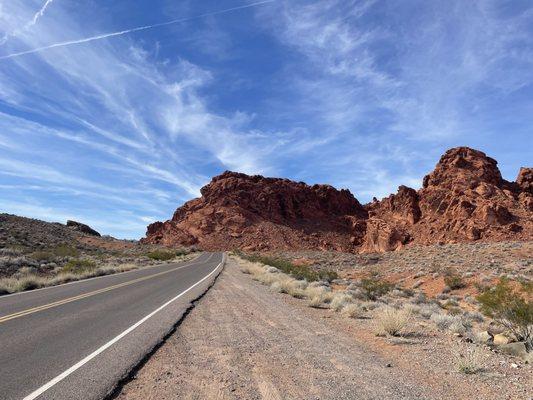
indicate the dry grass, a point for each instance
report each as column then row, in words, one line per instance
column 339, row 301
column 392, row 321
column 353, row 310
column 31, row 281
column 319, row 297
column 469, row 361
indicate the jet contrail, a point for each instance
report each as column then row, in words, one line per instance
column 137, row 29
column 33, row 21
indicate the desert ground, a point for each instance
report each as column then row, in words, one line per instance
column 260, row 334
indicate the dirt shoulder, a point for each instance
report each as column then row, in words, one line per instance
column 244, row 341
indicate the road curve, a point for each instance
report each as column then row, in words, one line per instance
column 76, row 341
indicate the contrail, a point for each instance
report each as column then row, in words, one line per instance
column 33, row 21
column 137, row 29
column 39, row 13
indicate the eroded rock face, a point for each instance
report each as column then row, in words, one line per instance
column 257, row 213
column 464, row 199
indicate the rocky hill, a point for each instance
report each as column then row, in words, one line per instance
column 257, row 213
column 464, row 199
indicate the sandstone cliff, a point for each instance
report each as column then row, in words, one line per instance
column 255, row 213
column 464, row 199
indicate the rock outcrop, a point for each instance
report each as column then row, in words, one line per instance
column 464, row 199
column 257, row 213
column 78, row 226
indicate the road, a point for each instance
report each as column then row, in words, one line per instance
column 76, row 341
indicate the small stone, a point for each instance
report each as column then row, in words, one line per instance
column 513, row 365
column 389, row 365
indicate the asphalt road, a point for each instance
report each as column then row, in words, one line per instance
column 77, row 340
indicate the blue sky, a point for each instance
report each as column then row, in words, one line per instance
column 119, row 131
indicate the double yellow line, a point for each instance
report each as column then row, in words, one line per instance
column 85, row 295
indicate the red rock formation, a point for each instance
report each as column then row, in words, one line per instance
column 257, row 213
column 464, row 199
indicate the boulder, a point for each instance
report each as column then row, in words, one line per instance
column 517, row 349
column 500, row 339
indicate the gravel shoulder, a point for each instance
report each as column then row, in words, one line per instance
column 243, row 341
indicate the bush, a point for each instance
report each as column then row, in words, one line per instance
column 42, row 256
column 392, row 321
column 470, row 361
column 164, row 255
column 511, row 308
column 300, row 272
column 352, row 310
column 65, row 251
column 453, row 280
column 78, row 266
column 374, row 288
column 442, row 321
column 339, row 301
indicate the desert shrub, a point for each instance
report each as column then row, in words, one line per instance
column 64, row 250
column 318, row 296
column 453, row 280
column 469, row 361
column 511, row 308
column 300, row 272
column 78, row 266
column 162, row 255
column 392, row 321
column 339, row 301
column 442, row 321
column 458, row 327
column 474, row 316
column 353, row 310
column 252, row 268
column 373, row 287
column 42, row 256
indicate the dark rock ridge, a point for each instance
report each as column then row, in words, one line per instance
column 78, row 226
column 464, row 199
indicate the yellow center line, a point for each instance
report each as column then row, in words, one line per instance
column 85, row 295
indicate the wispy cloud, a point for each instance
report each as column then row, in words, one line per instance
column 28, row 25
column 122, row 32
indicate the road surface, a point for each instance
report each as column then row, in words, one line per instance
column 76, row 341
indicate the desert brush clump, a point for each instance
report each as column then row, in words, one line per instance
column 392, row 321
column 339, row 301
column 300, row 272
column 77, row 266
column 32, row 281
column 468, row 361
column 442, row 321
column 318, row 296
column 512, row 307
column 165, row 255
column 374, row 287
column 453, row 280
column 353, row 310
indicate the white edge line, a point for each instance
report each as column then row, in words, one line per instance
column 98, row 277
column 78, row 365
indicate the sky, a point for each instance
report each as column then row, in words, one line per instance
column 114, row 113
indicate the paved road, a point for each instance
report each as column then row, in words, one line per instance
column 76, row 341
